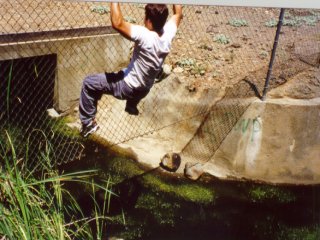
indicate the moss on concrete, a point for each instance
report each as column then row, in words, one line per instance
column 296, row 233
column 59, row 126
column 270, row 193
column 120, row 168
column 165, row 205
column 188, row 191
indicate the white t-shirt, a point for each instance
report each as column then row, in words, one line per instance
column 149, row 53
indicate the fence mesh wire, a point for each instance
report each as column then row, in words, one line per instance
column 219, row 60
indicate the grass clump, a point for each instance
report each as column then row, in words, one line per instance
column 122, row 168
column 291, row 20
column 34, row 203
column 263, row 54
column 163, row 211
column 130, row 19
column 271, row 23
column 267, row 193
column 59, row 127
column 297, row 233
column 188, row 191
column 311, row 20
column 238, row 22
column 186, row 62
column 100, row 9
column 222, row 39
column 191, row 66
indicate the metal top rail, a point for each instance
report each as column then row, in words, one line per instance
column 313, row 4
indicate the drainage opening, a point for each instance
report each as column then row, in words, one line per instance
column 27, row 88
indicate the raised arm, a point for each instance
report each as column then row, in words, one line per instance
column 177, row 14
column 118, row 23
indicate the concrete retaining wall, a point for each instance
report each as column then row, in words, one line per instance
column 275, row 141
column 77, row 57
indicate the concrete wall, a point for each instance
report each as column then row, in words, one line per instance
column 275, row 141
column 77, row 57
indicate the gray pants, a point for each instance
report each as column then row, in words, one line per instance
column 94, row 86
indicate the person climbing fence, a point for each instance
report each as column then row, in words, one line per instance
column 152, row 45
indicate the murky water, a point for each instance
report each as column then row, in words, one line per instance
column 158, row 205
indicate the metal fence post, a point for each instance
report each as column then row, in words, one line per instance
column 274, row 49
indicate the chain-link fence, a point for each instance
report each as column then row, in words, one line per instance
column 219, row 61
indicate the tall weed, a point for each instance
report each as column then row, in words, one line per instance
column 34, row 203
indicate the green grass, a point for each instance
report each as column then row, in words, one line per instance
column 298, row 233
column 130, row 19
column 291, row 20
column 186, row 62
column 191, row 192
column 59, row 126
column 9, row 88
column 100, row 9
column 238, row 22
column 222, row 39
column 192, row 66
column 263, row 54
column 271, row 23
column 269, row 193
column 34, row 203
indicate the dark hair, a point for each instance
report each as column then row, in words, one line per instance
column 157, row 14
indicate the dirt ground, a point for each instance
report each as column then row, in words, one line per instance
column 216, row 47
column 242, row 64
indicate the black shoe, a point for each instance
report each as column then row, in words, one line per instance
column 159, row 77
column 132, row 110
column 89, row 129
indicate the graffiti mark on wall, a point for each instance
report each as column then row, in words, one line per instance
column 215, row 127
column 253, row 125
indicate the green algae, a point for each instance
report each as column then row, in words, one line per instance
column 188, row 191
column 271, row 193
column 159, row 205
column 297, row 233
column 60, row 128
column 120, row 168
column 168, row 206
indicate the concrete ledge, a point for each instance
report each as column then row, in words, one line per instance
column 53, row 35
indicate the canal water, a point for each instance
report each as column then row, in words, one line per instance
column 154, row 204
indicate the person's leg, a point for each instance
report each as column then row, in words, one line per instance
column 132, row 106
column 94, row 86
column 92, row 90
column 133, row 101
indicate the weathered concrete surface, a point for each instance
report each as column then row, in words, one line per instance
column 77, row 57
column 169, row 117
column 275, row 141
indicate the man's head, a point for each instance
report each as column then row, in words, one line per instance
column 157, row 14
